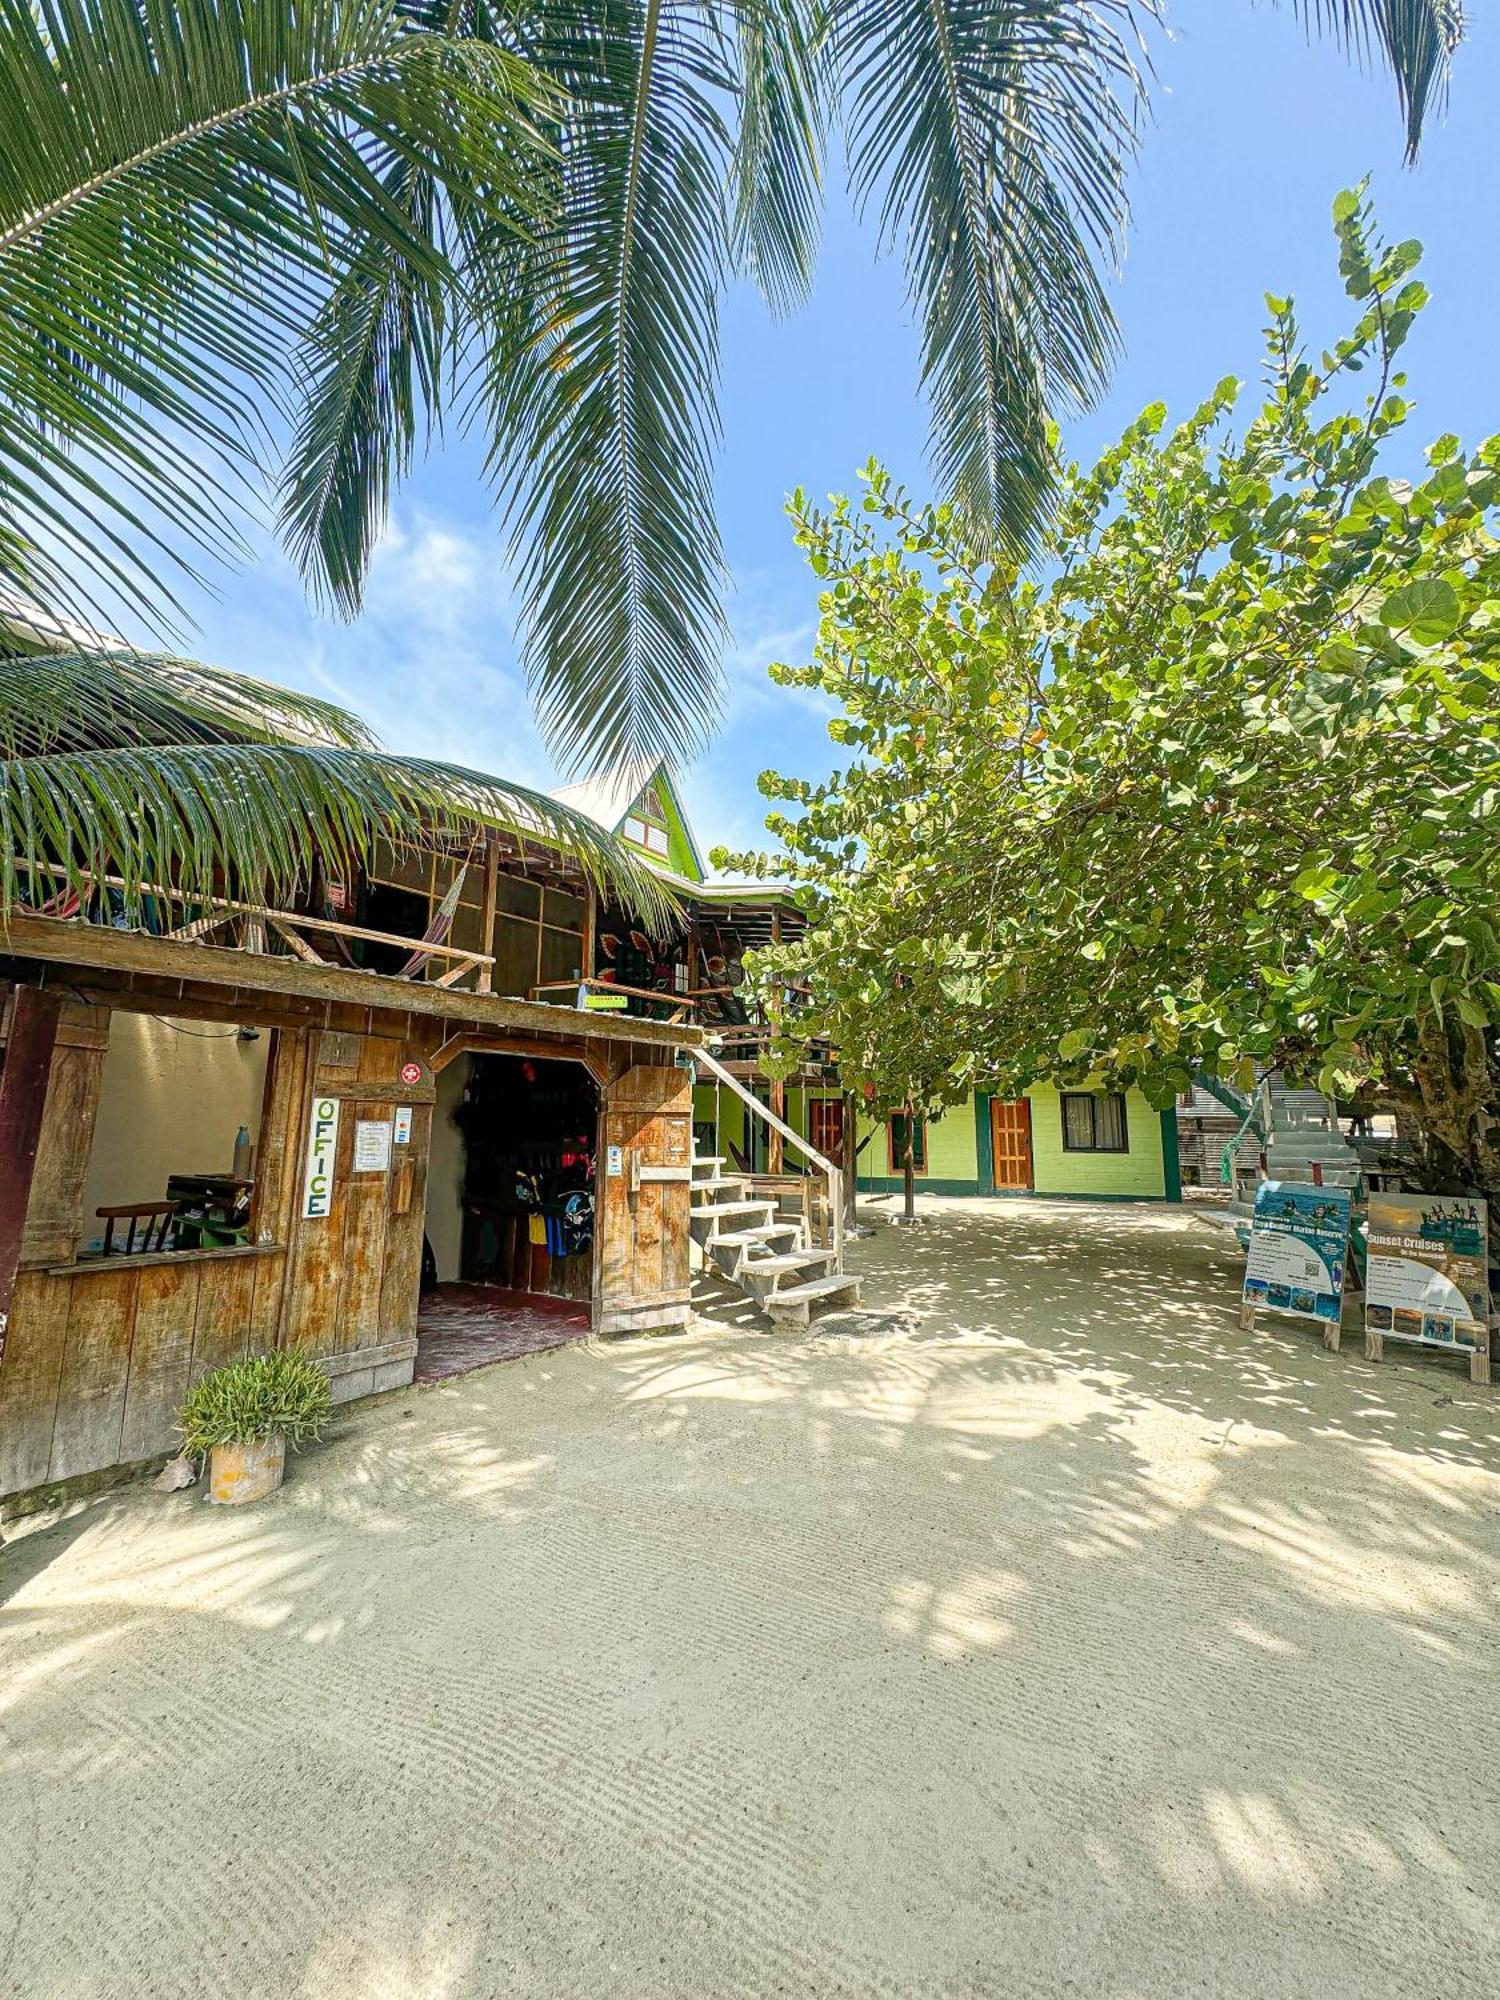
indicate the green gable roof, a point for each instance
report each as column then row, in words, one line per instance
column 643, row 791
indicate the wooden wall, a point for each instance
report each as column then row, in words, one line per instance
column 98, row 1358
column 641, row 1256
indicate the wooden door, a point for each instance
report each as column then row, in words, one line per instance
column 1010, row 1141
column 825, row 1127
column 641, row 1253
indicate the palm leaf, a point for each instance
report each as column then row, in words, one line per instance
column 181, row 183
column 994, row 136
column 602, row 389
column 1417, row 39
column 118, row 765
column 117, row 698
column 785, row 83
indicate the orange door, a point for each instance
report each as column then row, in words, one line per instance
column 1010, row 1141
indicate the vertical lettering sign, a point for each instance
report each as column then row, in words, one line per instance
column 322, row 1153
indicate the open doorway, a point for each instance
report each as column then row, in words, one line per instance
column 510, row 1212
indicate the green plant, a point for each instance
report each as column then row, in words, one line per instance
column 252, row 244
column 285, row 1392
column 153, row 769
column 1216, row 791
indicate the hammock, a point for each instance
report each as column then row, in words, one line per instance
column 437, row 932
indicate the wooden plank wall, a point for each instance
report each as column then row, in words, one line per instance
column 641, row 1253
column 98, row 1361
column 355, row 1273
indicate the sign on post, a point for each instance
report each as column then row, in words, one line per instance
column 1428, row 1279
column 1299, row 1245
column 322, row 1154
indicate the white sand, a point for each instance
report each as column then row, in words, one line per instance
column 1078, row 1644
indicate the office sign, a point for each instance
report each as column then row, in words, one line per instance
column 322, row 1156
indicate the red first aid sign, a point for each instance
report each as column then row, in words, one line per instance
column 411, row 1072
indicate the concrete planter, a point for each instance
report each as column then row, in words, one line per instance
column 240, row 1473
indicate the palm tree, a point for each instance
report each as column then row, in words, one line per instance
column 229, row 223
column 152, row 770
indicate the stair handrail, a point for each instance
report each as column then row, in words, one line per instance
column 833, row 1174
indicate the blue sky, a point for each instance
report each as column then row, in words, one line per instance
column 1254, row 132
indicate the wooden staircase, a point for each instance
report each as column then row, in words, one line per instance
column 766, row 1256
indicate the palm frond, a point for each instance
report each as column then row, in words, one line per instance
column 994, row 135
column 371, row 380
column 181, row 184
column 785, row 79
column 117, row 699
column 194, row 817
column 602, row 386
column 1416, row 38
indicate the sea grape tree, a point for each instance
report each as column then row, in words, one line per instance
column 1215, row 786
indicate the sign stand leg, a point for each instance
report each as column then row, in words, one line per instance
column 1479, row 1360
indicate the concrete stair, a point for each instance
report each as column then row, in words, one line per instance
column 765, row 1256
column 1303, row 1143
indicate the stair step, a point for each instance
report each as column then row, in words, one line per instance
column 720, row 1209
column 764, row 1275
column 704, row 1222
column 793, row 1307
column 817, row 1288
column 737, row 1181
column 789, row 1260
column 735, row 1253
column 745, row 1239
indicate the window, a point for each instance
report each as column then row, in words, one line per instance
column 644, row 834
column 896, row 1133
column 1094, row 1123
column 175, row 1135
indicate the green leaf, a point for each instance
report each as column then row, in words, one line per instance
column 1427, row 610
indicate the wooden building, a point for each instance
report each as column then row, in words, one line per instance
column 99, row 1340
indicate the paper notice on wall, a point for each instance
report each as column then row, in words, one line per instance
column 372, row 1145
column 401, row 1129
column 322, row 1153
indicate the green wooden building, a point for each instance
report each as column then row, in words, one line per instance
column 1085, row 1142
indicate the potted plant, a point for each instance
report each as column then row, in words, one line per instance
column 244, row 1416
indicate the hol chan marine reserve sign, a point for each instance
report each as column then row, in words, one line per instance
column 1299, row 1243
column 1428, row 1278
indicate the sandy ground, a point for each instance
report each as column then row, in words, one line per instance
column 1075, row 1642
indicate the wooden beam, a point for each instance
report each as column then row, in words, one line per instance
column 51, row 940
column 35, row 1011
column 486, row 980
column 594, row 1061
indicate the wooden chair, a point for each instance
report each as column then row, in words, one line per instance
column 153, row 1218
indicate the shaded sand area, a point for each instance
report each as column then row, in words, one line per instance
column 1072, row 1641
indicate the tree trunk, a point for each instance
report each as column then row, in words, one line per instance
column 909, row 1171
column 1456, row 1104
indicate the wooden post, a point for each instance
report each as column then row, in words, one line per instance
column 486, row 978
column 776, row 1149
column 590, row 930
column 23, row 1099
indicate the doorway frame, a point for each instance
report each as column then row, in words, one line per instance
column 478, row 1043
